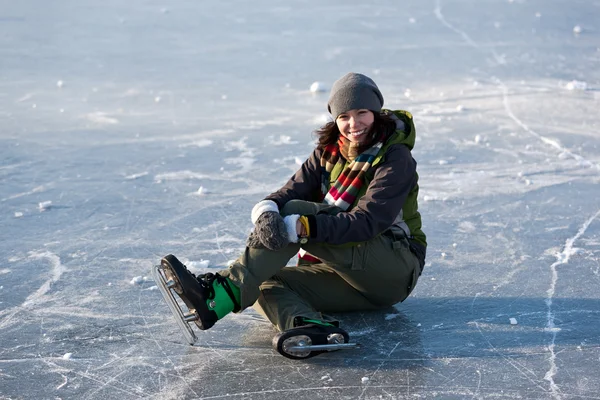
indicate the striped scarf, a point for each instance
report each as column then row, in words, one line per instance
column 345, row 189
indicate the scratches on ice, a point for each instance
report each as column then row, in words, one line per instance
column 500, row 59
column 562, row 258
column 37, row 189
column 57, row 269
column 564, row 152
column 551, row 142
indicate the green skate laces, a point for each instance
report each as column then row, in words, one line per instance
column 207, row 283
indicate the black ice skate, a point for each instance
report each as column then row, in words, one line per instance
column 309, row 340
column 200, row 294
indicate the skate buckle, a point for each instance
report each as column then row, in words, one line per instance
column 335, row 338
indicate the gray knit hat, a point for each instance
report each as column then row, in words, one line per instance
column 354, row 91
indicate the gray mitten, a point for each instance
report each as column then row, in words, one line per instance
column 254, row 242
column 271, row 230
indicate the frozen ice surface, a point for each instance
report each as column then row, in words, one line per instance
column 517, row 194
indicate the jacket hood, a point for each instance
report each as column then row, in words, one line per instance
column 405, row 127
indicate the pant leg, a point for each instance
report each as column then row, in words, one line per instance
column 369, row 276
column 255, row 266
column 308, row 291
column 383, row 270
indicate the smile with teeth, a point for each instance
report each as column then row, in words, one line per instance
column 357, row 133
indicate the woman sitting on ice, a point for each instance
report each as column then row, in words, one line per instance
column 350, row 210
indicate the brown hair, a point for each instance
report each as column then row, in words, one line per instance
column 328, row 134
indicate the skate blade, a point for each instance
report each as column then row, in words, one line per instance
column 158, row 273
column 324, row 347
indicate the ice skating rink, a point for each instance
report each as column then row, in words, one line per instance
column 135, row 129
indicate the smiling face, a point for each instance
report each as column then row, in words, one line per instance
column 355, row 124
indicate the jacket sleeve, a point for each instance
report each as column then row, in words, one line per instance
column 305, row 184
column 377, row 209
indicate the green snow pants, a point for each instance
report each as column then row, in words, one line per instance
column 366, row 276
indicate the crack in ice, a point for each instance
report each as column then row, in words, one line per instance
column 582, row 161
column 561, row 259
column 57, row 270
column 440, row 16
column 551, row 142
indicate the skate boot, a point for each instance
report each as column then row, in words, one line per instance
column 310, row 338
column 209, row 296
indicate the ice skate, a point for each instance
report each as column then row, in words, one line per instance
column 312, row 339
column 208, row 297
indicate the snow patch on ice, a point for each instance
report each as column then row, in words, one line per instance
column 67, row 356
column 244, row 163
column 197, row 267
column 44, row 205
column 318, row 87
column 466, row 226
column 4, row 271
column 101, row 118
column 198, row 143
column 254, row 124
column 283, row 140
column 138, row 280
column 179, row 176
column 576, row 85
column 202, row 191
column 136, row 176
